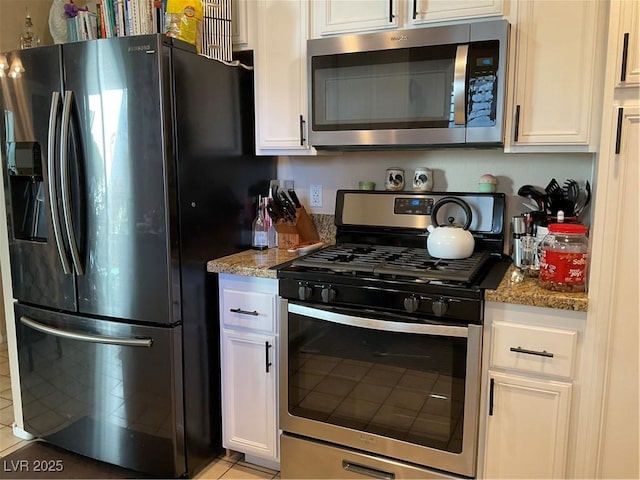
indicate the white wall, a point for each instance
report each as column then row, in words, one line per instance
column 454, row 171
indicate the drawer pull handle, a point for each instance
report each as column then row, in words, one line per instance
column 367, row 472
column 543, row 353
column 244, row 312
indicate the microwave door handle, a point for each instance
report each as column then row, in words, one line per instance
column 51, row 180
column 460, row 85
column 64, row 182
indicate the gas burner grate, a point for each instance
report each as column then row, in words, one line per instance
column 393, row 261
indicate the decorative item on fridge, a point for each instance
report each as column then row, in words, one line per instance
column 28, row 38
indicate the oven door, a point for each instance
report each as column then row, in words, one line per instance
column 397, row 387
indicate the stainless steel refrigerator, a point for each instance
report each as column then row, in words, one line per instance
column 128, row 163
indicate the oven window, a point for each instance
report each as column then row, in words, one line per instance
column 408, row 387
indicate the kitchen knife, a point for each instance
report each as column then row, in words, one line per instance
column 294, row 198
column 287, row 206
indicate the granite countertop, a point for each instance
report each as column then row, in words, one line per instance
column 259, row 264
column 251, row 263
column 256, row 263
column 529, row 293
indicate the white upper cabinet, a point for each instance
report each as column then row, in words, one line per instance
column 348, row 16
column 424, row 11
column 240, row 30
column 558, row 51
column 276, row 31
column 628, row 44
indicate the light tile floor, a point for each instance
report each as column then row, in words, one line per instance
column 230, row 465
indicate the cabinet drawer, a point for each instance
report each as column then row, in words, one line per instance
column 253, row 310
column 548, row 351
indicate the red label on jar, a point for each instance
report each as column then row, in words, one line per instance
column 563, row 267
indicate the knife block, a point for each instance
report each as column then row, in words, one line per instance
column 303, row 230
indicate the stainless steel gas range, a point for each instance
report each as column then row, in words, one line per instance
column 382, row 343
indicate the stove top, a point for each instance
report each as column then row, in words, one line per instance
column 380, row 263
column 388, row 261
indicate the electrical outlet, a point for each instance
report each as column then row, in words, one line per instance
column 315, row 195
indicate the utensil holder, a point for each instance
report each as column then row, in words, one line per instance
column 303, row 230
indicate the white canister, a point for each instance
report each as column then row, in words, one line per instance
column 395, row 179
column 423, row 180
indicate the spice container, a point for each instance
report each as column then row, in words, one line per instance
column 564, row 258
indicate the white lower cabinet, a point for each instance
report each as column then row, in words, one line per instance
column 249, row 363
column 527, row 427
column 529, row 392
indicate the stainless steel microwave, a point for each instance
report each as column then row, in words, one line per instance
column 442, row 86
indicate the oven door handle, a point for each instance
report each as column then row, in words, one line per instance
column 372, row 323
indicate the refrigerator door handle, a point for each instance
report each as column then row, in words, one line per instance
column 86, row 337
column 53, row 201
column 64, row 182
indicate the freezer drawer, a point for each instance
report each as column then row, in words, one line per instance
column 107, row 390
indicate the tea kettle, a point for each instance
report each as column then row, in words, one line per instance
column 450, row 242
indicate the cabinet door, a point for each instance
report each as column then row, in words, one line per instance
column 346, row 16
column 249, row 373
column 558, row 59
column 281, row 78
column 619, row 441
column 422, row 11
column 628, row 43
column 527, row 428
column 240, row 24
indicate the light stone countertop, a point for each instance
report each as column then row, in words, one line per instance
column 256, row 263
column 529, row 293
column 251, row 263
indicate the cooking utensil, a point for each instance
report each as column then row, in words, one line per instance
column 450, row 242
column 553, row 188
column 584, row 197
column 571, row 190
column 536, row 194
column 305, row 247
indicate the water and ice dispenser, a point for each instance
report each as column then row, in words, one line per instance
column 27, row 190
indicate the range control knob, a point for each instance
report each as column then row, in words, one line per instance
column 328, row 294
column 440, row 307
column 411, row 303
column 304, row 292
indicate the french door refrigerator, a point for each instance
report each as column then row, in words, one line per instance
column 128, row 163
